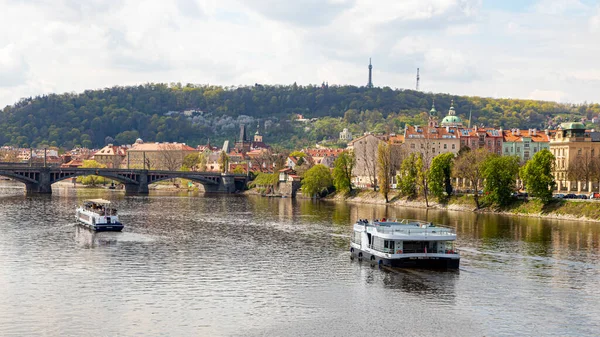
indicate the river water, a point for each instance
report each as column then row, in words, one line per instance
column 196, row 265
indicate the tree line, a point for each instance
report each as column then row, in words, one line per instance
column 154, row 112
column 491, row 178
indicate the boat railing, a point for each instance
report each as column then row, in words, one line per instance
column 426, row 231
column 413, row 251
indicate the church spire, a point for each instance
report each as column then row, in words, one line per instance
column 452, row 112
column 370, row 83
column 433, row 111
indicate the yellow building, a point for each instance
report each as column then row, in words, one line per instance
column 111, row 156
column 577, row 158
column 157, row 156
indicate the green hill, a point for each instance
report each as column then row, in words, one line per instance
column 196, row 113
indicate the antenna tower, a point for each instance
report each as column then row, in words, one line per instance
column 418, row 79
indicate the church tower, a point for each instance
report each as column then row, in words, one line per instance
column 433, row 116
column 370, row 84
column 258, row 138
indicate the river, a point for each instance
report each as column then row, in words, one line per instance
column 196, row 265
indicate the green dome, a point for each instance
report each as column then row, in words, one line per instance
column 571, row 126
column 433, row 111
column 451, row 119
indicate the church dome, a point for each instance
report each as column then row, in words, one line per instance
column 451, row 119
column 571, row 126
column 139, row 141
column 433, row 111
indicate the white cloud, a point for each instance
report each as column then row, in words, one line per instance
column 558, row 7
column 13, row 67
column 548, row 95
column 461, row 48
column 595, row 21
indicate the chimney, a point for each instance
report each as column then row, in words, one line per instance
column 534, row 132
column 547, row 132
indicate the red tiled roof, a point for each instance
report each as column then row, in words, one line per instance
column 517, row 136
column 425, row 132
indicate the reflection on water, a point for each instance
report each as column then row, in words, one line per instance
column 90, row 239
column 188, row 264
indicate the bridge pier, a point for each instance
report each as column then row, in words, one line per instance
column 140, row 188
column 43, row 185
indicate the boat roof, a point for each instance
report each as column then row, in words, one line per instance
column 98, row 201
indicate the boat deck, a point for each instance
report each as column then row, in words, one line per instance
column 405, row 227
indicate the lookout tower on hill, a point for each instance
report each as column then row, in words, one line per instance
column 370, row 83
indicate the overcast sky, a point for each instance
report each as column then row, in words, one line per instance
column 540, row 49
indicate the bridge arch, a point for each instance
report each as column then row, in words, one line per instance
column 204, row 180
column 20, row 178
column 60, row 176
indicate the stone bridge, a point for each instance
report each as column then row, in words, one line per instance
column 40, row 179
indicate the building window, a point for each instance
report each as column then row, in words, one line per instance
column 506, row 150
column 412, row 146
column 422, row 145
column 518, row 150
column 446, row 146
column 579, row 152
column 489, row 143
column 526, row 145
column 453, row 146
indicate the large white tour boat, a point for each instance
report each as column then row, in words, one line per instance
column 98, row 215
column 404, row 243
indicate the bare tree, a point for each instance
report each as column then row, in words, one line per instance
column 367, row 159
column 384, row 169
column 170, row 157
column 223, row 161
column 9, row 156
column 582, row 168
column 468, row 166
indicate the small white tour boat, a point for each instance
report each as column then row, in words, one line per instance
column 404, row 243
column 98, row 215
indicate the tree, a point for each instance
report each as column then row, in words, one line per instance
column 537, row 175
column 468, row 165
column 584, row 168
column 423, row 177
column 317, row 180
column 170, row 156
column 500, row 178
column 439, row 176
column 223, row 161
column 384, row 169
column 191, row 161
column 238, row 170
column 408, row 176
column 91, row 179
column 297, row 154
column 342, row 172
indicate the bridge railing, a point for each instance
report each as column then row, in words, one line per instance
column 25, row 166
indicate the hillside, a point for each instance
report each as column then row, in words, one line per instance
column 196, row 113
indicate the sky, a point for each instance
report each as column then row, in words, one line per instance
column 533, row 49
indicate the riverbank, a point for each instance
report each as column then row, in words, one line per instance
column 558, row 209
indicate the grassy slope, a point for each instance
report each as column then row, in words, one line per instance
column 589, row 210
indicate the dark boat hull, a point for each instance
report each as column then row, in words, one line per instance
column 408, row 262
column 113, row 227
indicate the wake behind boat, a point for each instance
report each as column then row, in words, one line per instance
column 97, row 214
column 404, row 243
